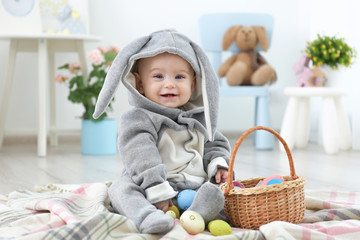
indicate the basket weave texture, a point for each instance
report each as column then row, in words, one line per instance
column 251, row 207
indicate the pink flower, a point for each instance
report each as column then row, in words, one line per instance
column 101, row 49
column 74, row 68
column 96, row 57
column 61, row 78
column 113, row 48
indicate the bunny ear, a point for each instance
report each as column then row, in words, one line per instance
column 116, row 72
column 229, row 36
column 209, row 88
column 262, row 36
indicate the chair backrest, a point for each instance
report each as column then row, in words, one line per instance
column 213, row 26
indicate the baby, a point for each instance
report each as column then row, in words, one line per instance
column 168, row 142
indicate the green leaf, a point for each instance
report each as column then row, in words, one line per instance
column 110, row 56
column 65, row 66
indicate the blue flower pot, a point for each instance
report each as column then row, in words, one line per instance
column 98, row 138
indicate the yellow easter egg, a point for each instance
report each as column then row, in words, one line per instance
column 219, row 228
column 171, row 213
column 192, row 222
column 175, row 210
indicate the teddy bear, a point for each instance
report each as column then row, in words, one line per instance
column 306, row 77
column 247, row 67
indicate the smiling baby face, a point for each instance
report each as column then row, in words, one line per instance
column 166, row 79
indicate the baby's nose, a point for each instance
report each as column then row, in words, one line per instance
column 169, row 83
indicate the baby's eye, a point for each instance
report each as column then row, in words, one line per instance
column 179, row 77
column 158, row 76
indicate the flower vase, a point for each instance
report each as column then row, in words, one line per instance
column 334, row 77
column 98, row 138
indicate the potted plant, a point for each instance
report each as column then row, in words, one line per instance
column 98, row 136
column 330, row 53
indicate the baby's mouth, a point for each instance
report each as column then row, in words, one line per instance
column 168, row 95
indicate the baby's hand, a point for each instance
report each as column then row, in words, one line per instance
column 221, row 176
column 163, row 205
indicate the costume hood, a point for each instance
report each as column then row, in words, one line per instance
column 206, row 93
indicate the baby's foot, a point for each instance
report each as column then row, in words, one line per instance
column 157, row 222
column 208, row 202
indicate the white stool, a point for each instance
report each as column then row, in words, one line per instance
column 295, row 128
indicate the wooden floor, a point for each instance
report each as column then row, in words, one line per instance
column 21, row 168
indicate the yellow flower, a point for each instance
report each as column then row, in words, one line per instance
column 75, row 14
column 333, row 51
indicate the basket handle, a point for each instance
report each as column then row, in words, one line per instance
column 237, row 144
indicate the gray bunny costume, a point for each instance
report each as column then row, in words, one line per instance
column 165, row 150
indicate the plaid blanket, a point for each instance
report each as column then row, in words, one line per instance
column 83, row 212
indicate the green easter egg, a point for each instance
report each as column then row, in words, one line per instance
column 219, row 228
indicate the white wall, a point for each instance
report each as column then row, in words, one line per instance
column 183, row 16
column 119, row 22
column 341, row 20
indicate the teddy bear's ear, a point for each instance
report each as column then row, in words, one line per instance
column 229, row 36
column 262, row 36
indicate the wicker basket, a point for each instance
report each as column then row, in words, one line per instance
column 251, row 207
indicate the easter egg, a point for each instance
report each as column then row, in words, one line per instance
column 171, row 213
column 238, row 184
column 276, row 179
column 175, row 210
column 185, row 198
column 219, row 228
column 192, row 222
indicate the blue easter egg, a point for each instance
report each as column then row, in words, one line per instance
column 275, row 181
column 185, row 198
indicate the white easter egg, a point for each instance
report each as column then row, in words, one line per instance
column 171, row 213
column 175, row 210
column 192, row 222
